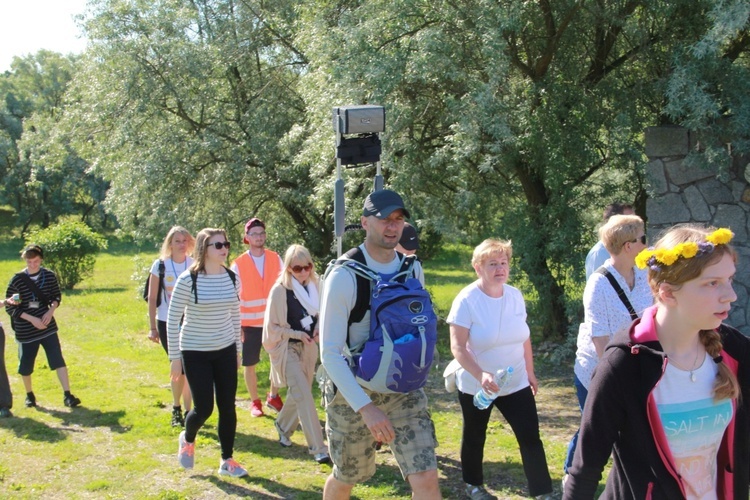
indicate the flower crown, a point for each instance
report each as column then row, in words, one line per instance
column 656, row 258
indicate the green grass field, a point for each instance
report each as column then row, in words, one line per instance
column 119, row 444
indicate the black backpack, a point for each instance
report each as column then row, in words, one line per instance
column 194, row 277
column 161, row 284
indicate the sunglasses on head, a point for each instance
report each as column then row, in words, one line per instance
column 299, row 269
column 219, row 245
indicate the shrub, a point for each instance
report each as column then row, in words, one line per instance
column 70, row 250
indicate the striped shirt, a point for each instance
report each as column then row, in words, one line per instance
column 210, row 325
column 46, row 281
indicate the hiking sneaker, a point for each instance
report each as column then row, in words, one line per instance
column 177, row 419
column 5, row 413
column 185, row 452
column 275, row 403
column 230, row 467
column 283, row 439
column 256, row 408
column 322, row 458
column 71, row 401
column 30, row 400
column 478, row 493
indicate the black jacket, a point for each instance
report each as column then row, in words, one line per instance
column 616, row 421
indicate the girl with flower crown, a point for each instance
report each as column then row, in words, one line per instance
column 670, row 400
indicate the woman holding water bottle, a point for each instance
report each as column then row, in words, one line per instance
column 490, row 340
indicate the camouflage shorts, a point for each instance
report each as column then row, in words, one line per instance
column 351, row 444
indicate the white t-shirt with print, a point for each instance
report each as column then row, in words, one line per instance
column 171, row 271
column 694, row 425
column 497, row 331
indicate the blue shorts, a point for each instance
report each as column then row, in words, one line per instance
column 27, row 354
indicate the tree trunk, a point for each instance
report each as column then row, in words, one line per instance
column 535, row 256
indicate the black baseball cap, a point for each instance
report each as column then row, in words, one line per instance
column 409, row 238
column 382, row 203
column 33, row 249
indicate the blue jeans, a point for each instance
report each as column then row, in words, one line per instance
column 582, row 393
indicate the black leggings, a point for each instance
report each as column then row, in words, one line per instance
column 206, row 372
column 519, row 409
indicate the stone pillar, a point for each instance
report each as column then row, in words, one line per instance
column 680, row 193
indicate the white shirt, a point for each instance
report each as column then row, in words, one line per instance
column 171, row 271
column 338, row 297
column 497, row 331
column 605, row 314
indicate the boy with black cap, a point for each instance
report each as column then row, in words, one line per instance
column 357, row 418
column 409, row 242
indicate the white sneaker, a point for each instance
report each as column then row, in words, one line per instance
column 230, row 467
column 185, row 452
column 283, row 439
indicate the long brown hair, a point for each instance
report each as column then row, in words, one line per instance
column 201, row 247
column 684, row 270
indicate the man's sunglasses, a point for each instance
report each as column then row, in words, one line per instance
column 299, row 269
column 219, row 245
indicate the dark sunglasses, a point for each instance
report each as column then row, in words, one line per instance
column 642, row 238
column 299, row 269
column 219, row 245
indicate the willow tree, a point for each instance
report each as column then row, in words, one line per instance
column 507, row 118
column 41, row 176
column 190, row 109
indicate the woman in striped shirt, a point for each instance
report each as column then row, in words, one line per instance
column 207, row 345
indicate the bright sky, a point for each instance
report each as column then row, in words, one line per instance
column 30, row 25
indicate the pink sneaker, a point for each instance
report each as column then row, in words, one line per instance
column 275, row 403
column 256, row 408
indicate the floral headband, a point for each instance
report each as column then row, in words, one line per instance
column 655, row 259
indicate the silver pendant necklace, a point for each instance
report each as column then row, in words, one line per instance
column 693, row 378
column 693, row 367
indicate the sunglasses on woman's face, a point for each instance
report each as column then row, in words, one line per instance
column 219, row 245
column 299, row 269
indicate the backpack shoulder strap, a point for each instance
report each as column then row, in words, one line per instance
column 620, row 292
column 406, row 269
column 194, row 287
column 232, row 275
column 363, row 284
column 35, row 289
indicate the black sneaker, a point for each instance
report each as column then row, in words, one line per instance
column 30, row 400
column 177, row 419
column 71, row 401
column 5, row 413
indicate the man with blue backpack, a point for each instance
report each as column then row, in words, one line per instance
column 377, row 338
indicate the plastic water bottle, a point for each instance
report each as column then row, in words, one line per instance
column 483, row 399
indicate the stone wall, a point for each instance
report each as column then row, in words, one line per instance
column 681, row 194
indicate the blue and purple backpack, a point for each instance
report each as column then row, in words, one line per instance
column 398, row 353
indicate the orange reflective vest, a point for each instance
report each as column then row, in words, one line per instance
column 255, row 289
